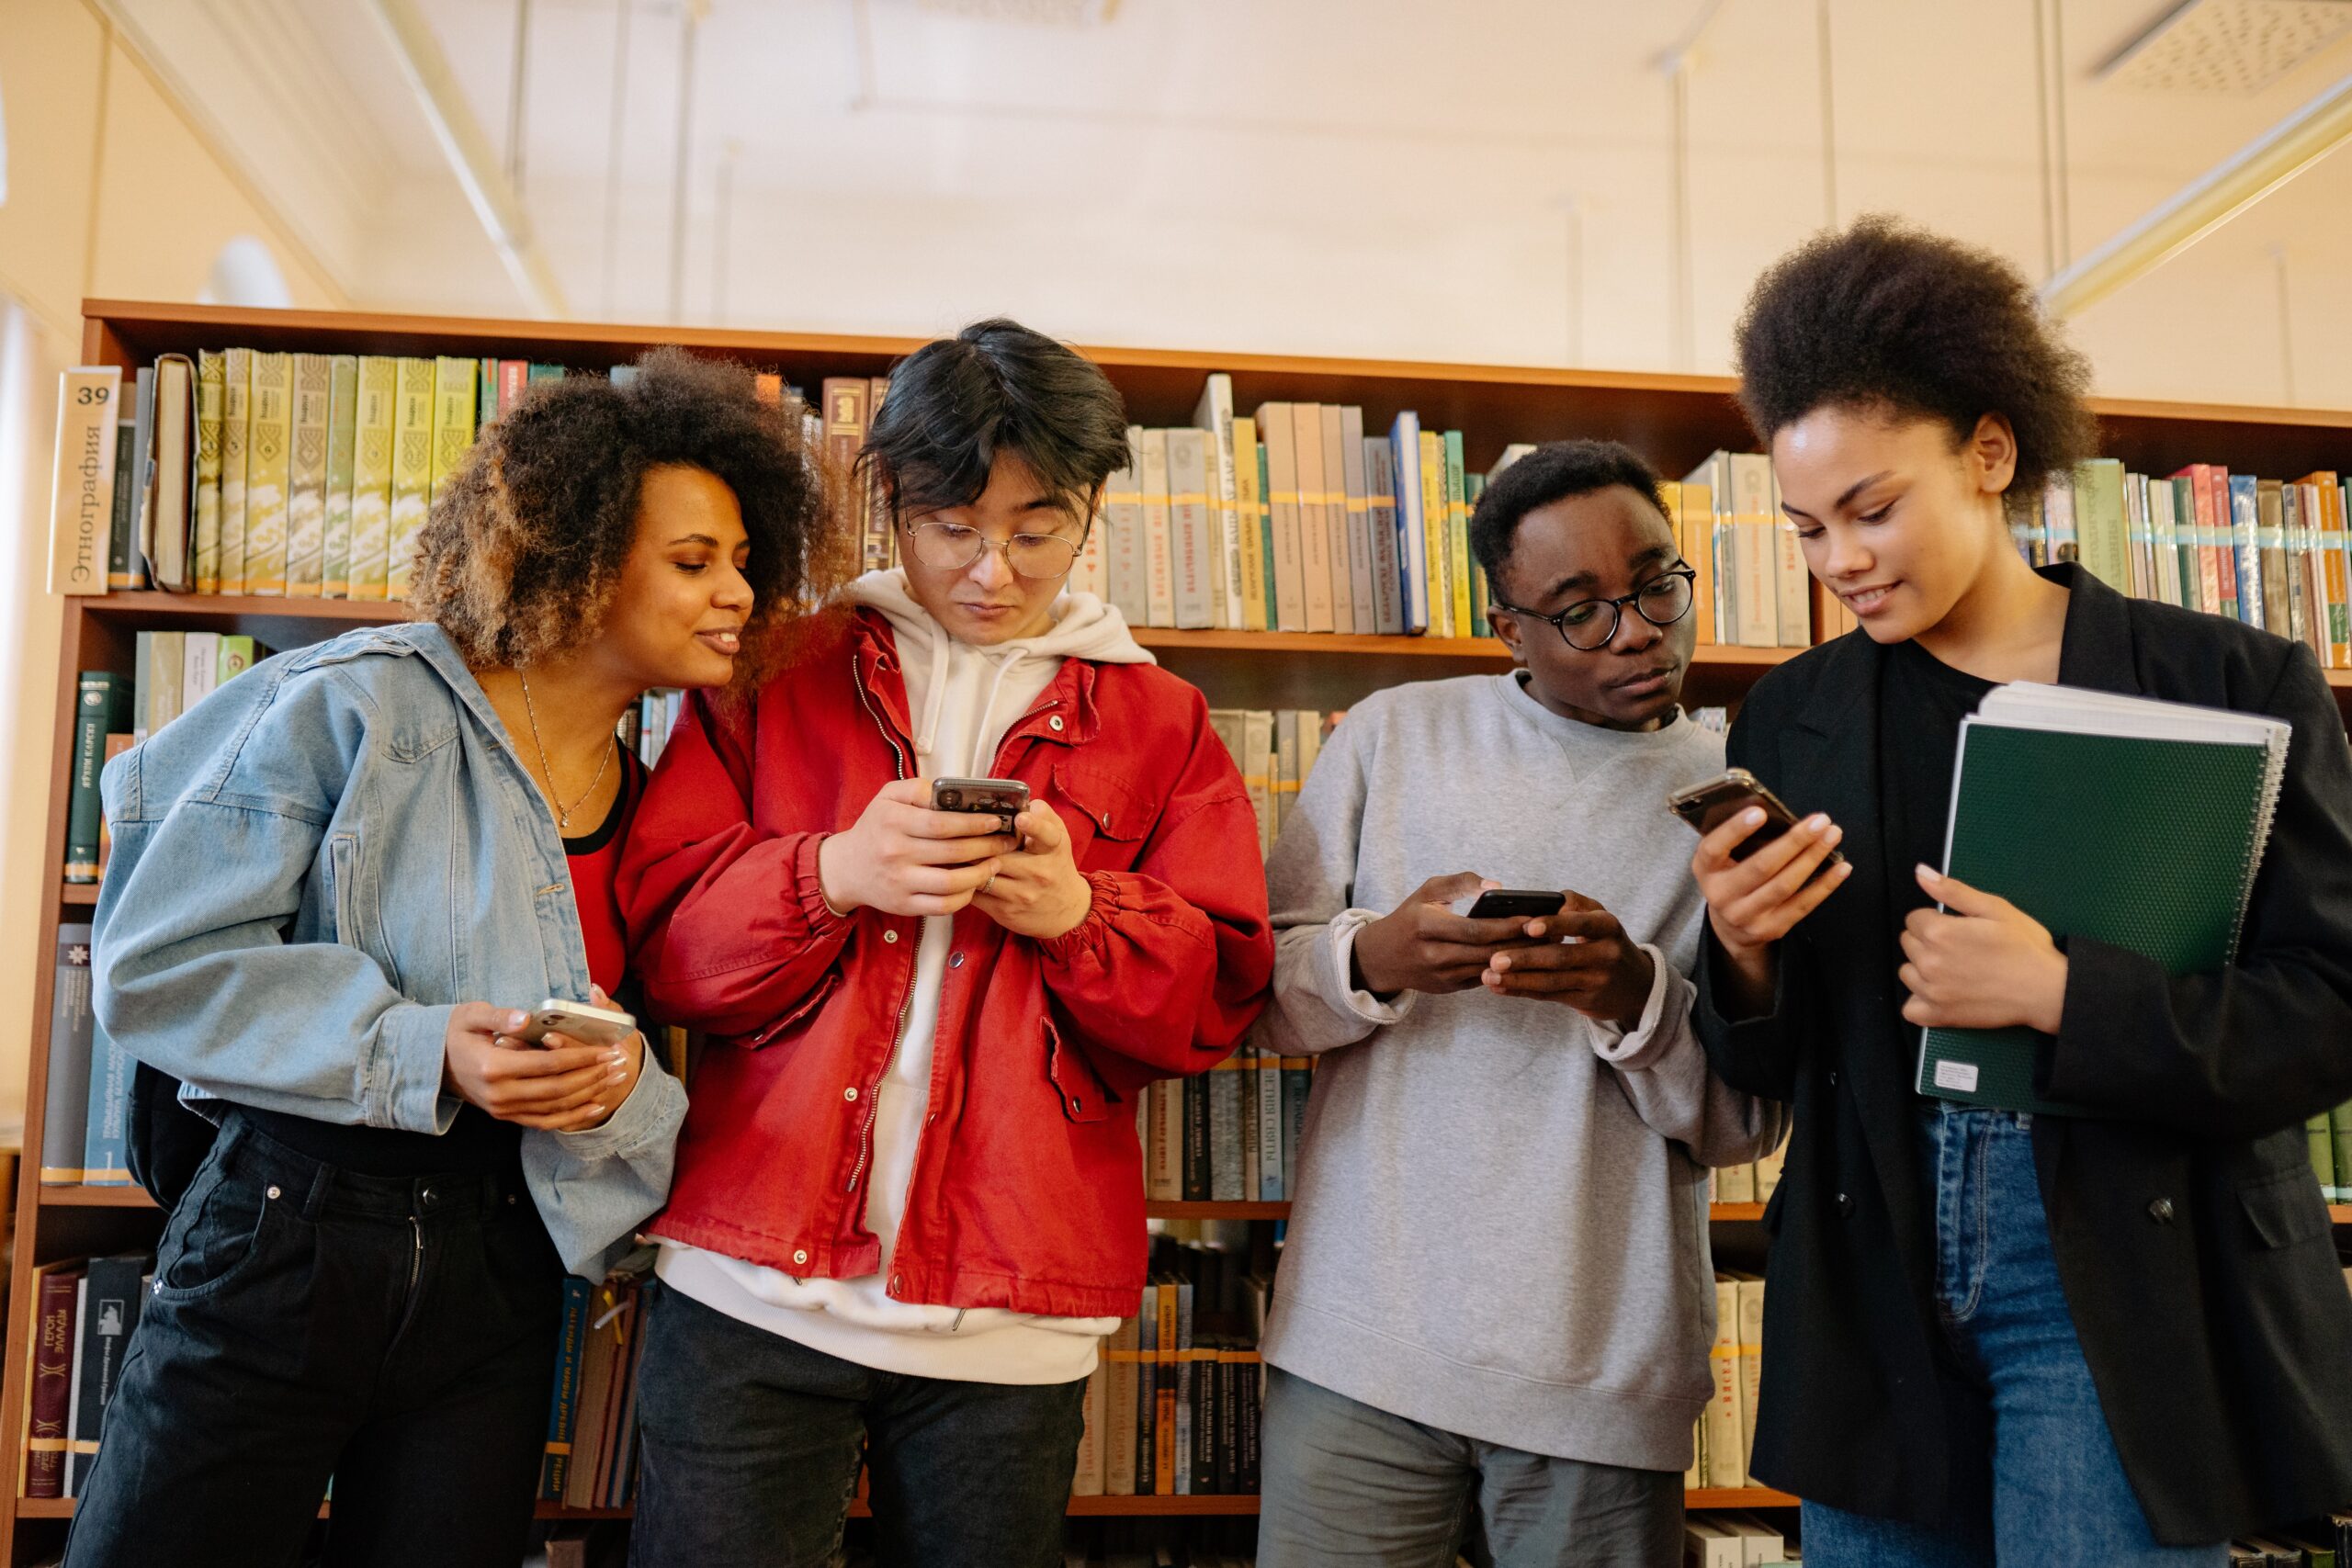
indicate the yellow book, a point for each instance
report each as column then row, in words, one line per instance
column 1434, row 516
column 1726, row 1459
column 1457, row 535
column 210, row 378
column 412, row 472
column 236, row 430
column 306, row 492
column 1698, row 537
column 1247, row 532
column 268, row 469
column 455, row 402
column 371, row 475
column 343, row 418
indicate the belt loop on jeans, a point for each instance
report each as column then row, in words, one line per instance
column 314, row 1202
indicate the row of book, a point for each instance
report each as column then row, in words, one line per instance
column 1172, row 1407
column 2271, row 553
column 246, row 471
column 86, row 1119
column 591, row 1458
column 172, row 671
column 645, row 728
column 1725, row 1436
column 1735, row 1541
column 2330, row 1135
column 1754, row 1182
column 83, row 1313
column 2322, row 1544
column 1228, row 1135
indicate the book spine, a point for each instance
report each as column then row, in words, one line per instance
column 1268, row 1083
column 846, row 416
column 1214, row 415
column 2339, row 583
column 1355, row 502
column 1474, row 486
column 81, row 505
column 1277, row 431
column 268, row 468
column 51, row 1394
column 1193, row 574
column 1163, row 1431
column 1253, row 1172
column 1123, row 510
column 167, row 547
column 1297, row 1079
column 456, row 410
column 412, row 472
column 110, row 1314
column 373, row 438
column 1725, row 1461
column 563, row 1404
column 1147, row 1393
column 1186, row 1449
column 1249, row 538
column 98, row 705
column 1315, row 560
column 1433, row 525
column 1159, row 561
column 2246, row 547
column 341, row 477
column 70, row 1026
column 106, row 1159
column 1380, row 518
column 1457, row 528
column 236, row 443
column 209, row 387
column 2320, row 1136
column 1194, row 1099
column 125, row 570
column 118, row 508
column 1412, row 548
column 1224, row 1097
column 306, row 494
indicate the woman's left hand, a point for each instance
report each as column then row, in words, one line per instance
column 1037, row 890
column 1980, row 963
column 594, row 1108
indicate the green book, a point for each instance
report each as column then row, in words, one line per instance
column 2322, row 1133
column 2339, row 1129
column 2101, row 527
column 102, row 707
column 2137, row 823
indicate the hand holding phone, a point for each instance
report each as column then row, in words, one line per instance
column 1423, row 946
column 1004, row 799
column 1580, row 957
column 561, row 1085
column 904, row 856
column 583, row 1021
column 1759, row 867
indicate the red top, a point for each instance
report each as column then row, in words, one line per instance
column 595, row 863
column 1028, row 1191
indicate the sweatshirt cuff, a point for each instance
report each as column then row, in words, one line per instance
column 1339, row 977
column 404, row 1077
column 1633, row 1050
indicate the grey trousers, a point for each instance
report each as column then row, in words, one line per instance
column 1350, row 1487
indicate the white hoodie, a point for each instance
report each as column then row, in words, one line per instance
column 962, row 699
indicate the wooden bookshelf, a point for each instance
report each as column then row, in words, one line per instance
column 1674, row 421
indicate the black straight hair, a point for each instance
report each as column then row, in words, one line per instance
column 1553, row 472
column 996, row 387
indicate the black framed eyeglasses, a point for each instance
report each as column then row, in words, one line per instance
column 952, row 547
column 1590, row 625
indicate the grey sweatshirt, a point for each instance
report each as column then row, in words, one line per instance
column 1500, row 1223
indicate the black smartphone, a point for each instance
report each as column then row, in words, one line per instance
column 1508, row 903
column 986, row 797
column 1709, row 805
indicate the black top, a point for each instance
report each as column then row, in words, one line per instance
column 476, row 1143
column 1921, row 701
column 2195, row 1247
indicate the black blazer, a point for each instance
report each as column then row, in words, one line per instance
column 2190, row 1235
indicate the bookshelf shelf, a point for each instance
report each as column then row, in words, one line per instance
column 1674, row 421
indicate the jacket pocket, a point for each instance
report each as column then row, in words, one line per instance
column 2285, row 1209
column 802, row 1011
column 356, row 921
column 1081, row 1093
column 1112, row 807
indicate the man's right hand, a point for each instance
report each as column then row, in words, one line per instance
column 1423, row 946
column 903, row 858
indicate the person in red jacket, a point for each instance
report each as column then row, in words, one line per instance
column 909, row 1197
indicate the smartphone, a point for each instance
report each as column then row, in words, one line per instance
column 1710, row 805
column 987, row 797
column 589, row 1025
column 1499, row 903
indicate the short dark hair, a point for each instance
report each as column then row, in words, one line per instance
column 1553, row 472
column 1886, row 315
column 524, row 550
column 995, row 387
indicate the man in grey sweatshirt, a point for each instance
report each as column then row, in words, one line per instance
column 1496, row 1281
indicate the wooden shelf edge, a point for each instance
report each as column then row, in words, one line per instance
column 57, row 1196
column 77, row 895
column 1163, row 1209
column 63, row 1508
column 150, row 603
column 1736, row 1497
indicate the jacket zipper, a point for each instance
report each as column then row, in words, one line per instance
column 906, row 1002
column 416, row 1253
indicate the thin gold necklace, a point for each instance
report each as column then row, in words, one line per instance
column 612, row 744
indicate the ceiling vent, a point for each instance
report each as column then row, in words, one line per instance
column 2227, row 46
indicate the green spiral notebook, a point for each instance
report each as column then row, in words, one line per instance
column 2136, row 822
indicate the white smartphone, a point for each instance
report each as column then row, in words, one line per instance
column 589, row 1025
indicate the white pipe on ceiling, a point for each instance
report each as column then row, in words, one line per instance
column 2228, row 188
column 470, row 157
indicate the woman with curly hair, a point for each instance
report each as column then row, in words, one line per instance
column 335, row 882
column 2119, row 1336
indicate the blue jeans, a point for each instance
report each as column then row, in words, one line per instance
column 751, row 1446
column 2059, row 1494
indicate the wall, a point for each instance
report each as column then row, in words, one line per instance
column 111, row 193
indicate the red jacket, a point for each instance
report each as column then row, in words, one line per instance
column 1028, row 1183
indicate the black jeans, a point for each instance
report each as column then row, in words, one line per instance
column 397, row 1335
column 750, row 1447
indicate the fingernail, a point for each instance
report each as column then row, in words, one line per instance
column 1502, row 962
column 1834, row 834
column 1929, row 874
column 595, row 1111
column 1752, row 815
column 517, row 1019
column 1818, row 821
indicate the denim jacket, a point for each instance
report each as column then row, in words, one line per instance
column 312, row 866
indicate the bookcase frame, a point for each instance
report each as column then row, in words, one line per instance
column 1674, row 421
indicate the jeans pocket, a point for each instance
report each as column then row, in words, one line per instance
column 219, row 1241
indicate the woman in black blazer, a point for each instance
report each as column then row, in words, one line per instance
column 2118, row 1338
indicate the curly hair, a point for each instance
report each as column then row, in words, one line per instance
column 1553, row 472
column 1889, row 316
column 523, row 552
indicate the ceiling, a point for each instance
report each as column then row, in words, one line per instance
column 1488, row 180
